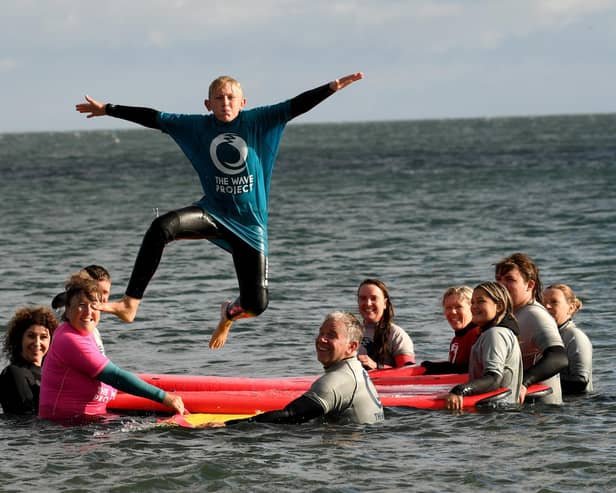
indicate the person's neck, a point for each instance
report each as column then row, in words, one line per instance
column 340, row 361
column 528, row 301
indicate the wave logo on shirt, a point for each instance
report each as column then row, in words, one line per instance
column 229, row 152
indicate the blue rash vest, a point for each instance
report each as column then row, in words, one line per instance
column 234, row 162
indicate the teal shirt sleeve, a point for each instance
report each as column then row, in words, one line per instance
column 130, row 383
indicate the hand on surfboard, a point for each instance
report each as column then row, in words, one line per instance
column 174, row 402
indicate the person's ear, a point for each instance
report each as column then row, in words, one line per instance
column 207, row 104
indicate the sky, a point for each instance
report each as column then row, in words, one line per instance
column 422, row 59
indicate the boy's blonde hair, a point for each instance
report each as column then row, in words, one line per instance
column 221, row 81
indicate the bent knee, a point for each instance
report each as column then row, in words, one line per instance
column 257, row 307
column 254, row 306
column 163, row 228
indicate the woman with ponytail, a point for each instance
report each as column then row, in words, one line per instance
column 562, row 303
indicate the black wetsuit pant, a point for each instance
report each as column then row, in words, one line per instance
column 192, row 223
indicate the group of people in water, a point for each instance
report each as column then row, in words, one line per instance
column 504, row 337
column 508, row 333
column 499, row 342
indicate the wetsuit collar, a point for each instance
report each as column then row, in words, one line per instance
column 463, row 331
column 508, row 321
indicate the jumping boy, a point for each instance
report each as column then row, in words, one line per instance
column 233, row 151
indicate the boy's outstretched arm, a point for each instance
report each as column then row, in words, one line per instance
column 142, row 116
column 309, row 99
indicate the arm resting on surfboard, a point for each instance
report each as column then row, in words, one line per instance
column 128, row 382
column 298, row 411
column 135, row 114
column 554, row 359
column 489, row 381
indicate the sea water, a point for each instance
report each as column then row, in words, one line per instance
column 421, row 205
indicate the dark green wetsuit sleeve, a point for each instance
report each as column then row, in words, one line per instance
column 130, row 383
column 298, row 411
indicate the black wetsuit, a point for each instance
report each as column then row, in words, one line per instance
column 20, row 385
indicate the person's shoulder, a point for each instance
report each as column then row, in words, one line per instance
column 164, row 115
column 66, row 337
column 535, row 307
column 344, row 365
column 399, row 331
column 183, row 119
column 503, row 332
column 340, row 370
column 282, row 109
column 7, row 372
column 472, row 334
column 538, row 312
column 571, row 331
column 572, row 326
column 15, row 371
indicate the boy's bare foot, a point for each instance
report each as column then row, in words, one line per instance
column 219, row 336
column 125, row 309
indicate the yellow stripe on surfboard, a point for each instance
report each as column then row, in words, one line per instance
column 198, row 420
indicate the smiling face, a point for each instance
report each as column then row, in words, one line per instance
column 81, row 315
column 35, row 343
column 520, row 290
column 226, row 101
column 371, row 303
column 333, row 343
column 556, row 303
column 483, row 307
column 457, row 311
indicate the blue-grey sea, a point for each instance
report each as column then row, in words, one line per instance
column 421, row 205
